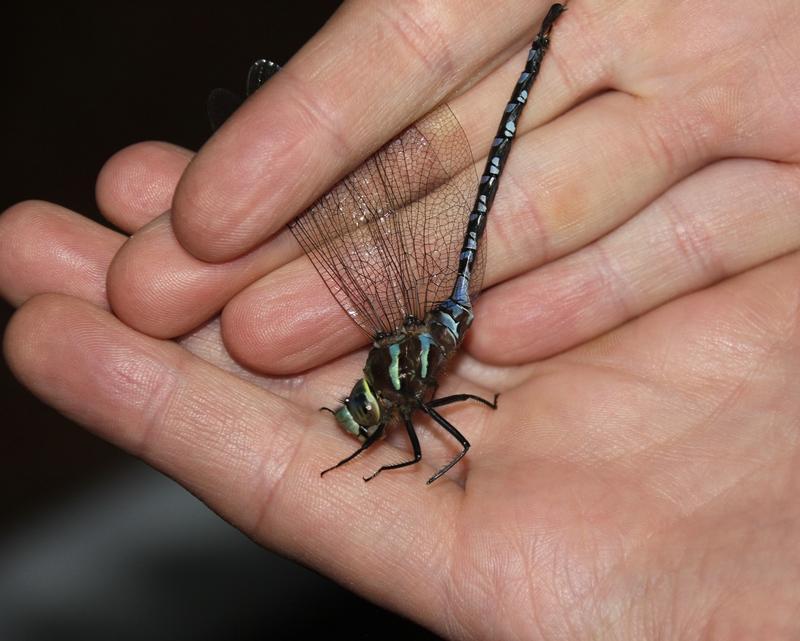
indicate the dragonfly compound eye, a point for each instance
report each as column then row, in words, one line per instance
column 363, row 406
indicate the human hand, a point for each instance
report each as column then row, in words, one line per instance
column 583, row 499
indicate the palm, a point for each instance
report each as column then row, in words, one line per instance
column 634, row 475
column 638, row 482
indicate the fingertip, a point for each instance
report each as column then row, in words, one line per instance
column 46, row 248
column 252, row 176
column 243, row 323
column 134, row 282
column 198, row 230
column 213, row 199
column 287, row 323
column 29, row 336
column 16, row 339
column 158, row 288
column 13, row 222
column 138, row 182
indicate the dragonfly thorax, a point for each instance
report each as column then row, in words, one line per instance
column 400, row 373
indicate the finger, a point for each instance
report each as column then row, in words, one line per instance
column 252, row 456
column 137, row 183
column 316, row 119
column 46, row 248
column 723, row 220
column 157, row 287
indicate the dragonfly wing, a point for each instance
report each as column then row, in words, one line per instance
column 386, row 238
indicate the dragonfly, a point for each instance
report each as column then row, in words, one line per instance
column 399, row 244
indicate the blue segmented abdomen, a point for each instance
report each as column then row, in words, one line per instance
column 501, row 145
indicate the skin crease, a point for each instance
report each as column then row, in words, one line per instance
column 640, row 478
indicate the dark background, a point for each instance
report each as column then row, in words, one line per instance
column 94, row 544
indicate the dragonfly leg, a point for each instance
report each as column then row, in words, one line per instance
column 457, row 398
column 370, row 440
column 453, row 432
column 412, row 436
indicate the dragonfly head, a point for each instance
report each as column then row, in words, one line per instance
column 360, row 414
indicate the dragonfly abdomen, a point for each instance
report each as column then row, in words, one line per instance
column 501, row 145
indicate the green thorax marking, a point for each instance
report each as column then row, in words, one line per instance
column 394, row 366
column 425, row 342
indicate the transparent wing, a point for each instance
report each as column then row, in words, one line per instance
column 386, row 239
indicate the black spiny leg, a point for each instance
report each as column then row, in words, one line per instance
column 370, row 440
column 457, row 398
column 412, row 436
column 453, row 432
